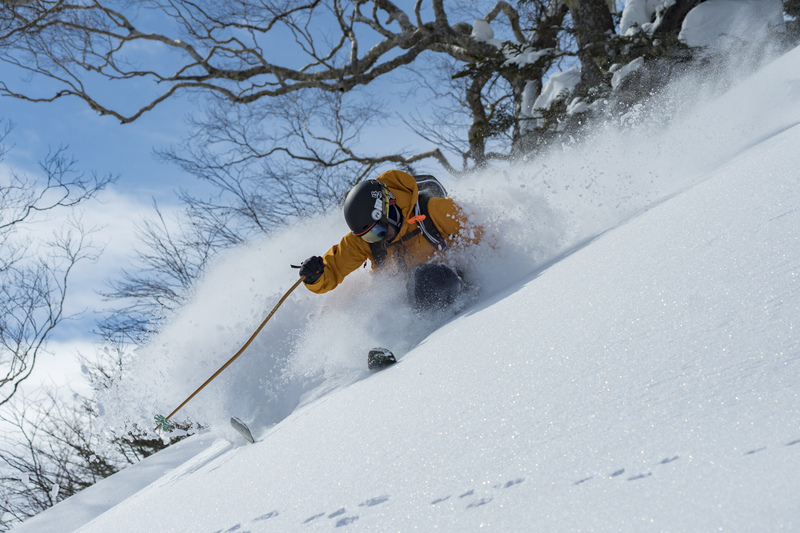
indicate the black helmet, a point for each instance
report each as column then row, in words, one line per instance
column 367, row 204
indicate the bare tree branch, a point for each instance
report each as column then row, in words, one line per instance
column 65, row 41
column 513, row 18
column 34, row 275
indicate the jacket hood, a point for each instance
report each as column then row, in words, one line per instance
column 404, row 188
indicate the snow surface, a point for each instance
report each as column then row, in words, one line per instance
column 712, row 21
column 623, row 72
column 557, row 86
column 631, row 361
column 482, row 31
column 731, row 22
column 641, row 14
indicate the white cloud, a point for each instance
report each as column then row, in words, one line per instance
column 112, row 218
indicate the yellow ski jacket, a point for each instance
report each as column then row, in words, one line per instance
column 407, row 250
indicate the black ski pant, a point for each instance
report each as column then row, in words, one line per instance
column 433, row 287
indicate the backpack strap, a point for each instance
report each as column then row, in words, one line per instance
column 426, row 225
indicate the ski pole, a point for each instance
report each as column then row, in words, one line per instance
column 163, row 420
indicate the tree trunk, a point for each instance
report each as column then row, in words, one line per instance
column 480, row 122
column 592, row 21
column 548, row 28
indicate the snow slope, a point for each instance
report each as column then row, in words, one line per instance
column 632, row 362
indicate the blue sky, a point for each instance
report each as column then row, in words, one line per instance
column 100, row 144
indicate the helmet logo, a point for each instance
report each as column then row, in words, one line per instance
column 377, row 211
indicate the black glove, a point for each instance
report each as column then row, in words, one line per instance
column 312, row 269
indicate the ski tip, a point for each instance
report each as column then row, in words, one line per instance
column 380, row 358
column 242, row 428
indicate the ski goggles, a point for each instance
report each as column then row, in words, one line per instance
column 376, row 233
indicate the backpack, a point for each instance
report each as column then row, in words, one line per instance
column 429, row 187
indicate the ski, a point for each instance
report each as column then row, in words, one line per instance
column 242, row 428
column 379, row 358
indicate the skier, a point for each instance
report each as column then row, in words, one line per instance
column 392, row 224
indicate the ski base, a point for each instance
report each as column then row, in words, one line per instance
column 242, row 428
column 380, row 358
